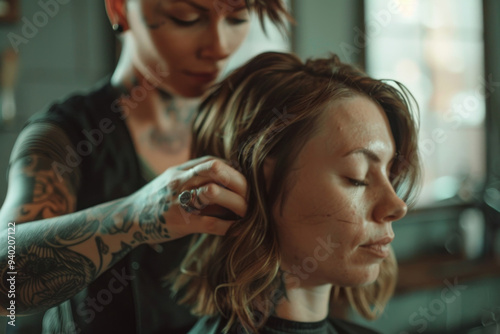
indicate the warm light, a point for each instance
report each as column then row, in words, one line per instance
column 435, row 48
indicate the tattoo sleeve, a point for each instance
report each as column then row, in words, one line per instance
column 58, row 252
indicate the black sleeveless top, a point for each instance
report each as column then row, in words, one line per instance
column 131, row 297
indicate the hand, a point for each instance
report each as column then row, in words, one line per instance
column 221, row 192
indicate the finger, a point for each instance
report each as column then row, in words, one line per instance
column 194, row 162
column 217, row 171
column 213, row 194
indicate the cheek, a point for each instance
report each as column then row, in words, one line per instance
column 338, row 235
column 356, row 276
column 175, row 49
column 353, row 224
column 237, row 36
column 352, row 206
column 349, row 235
column 303, row 230
column 326, row 202
column 319, row 205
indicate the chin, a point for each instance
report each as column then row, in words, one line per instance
column 370, row 274
column 359, row 276
column 183, row 90
column 193, row 91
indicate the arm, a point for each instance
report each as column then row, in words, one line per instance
column 59, row 251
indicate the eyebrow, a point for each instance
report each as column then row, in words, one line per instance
column 237, row 9
column 366, row 152
column 193, row 4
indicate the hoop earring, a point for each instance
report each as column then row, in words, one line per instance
column 117, row 28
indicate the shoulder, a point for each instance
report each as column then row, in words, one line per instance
column 80, row 107
column 86, row 117
column 347, row 327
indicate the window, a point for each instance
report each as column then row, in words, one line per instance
column 436, row 49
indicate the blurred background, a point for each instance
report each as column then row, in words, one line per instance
column 447, row 52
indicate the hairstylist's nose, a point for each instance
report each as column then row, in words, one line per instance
column 389, row 207
column 216, row 46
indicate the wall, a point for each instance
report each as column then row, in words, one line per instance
column 67, row 45
column 325, row 26
column 69, row 51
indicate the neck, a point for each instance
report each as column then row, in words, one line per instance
column 303, row 303
column 146, row 99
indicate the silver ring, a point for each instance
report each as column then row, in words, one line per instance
column 186, row 200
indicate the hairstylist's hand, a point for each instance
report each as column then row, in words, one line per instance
column 215, row 191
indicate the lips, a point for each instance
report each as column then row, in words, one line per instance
column 203, row 76
column 379, row 248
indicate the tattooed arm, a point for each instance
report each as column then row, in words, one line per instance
column 59, row 251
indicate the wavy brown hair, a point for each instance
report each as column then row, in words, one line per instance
column 270, row 107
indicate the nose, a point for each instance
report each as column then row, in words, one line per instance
column 216, row 43
column 389, row 206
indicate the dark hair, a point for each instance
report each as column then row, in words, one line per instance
column 275, row 10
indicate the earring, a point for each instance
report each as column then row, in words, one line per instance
column 118, row 28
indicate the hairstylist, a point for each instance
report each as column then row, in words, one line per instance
column 93, row 190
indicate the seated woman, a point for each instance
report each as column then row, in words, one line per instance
column 330, row 157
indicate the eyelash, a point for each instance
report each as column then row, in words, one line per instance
column 184, row 23
column 235, row 21
column 357, row 183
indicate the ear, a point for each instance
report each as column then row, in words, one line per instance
column 117, row 12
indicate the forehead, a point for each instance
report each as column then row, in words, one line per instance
column 356, row 122
column 207, row 4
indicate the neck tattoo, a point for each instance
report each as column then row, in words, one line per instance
column 175, row 139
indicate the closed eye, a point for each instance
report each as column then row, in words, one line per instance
column 235, row 21
column 183, row 23
column 357, row 183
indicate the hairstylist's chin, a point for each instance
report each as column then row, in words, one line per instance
column 182, row 92
column 191, row 90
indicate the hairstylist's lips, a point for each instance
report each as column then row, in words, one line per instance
column 379, row 248
column 204, row 77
